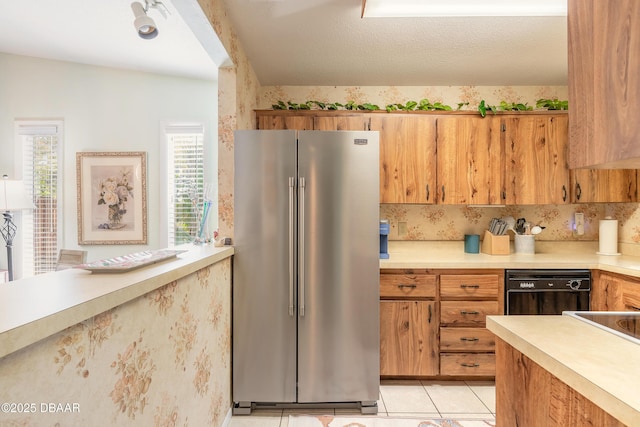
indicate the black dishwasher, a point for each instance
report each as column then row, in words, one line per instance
column 546, row 291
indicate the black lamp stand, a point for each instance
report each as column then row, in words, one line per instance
column 8, row 232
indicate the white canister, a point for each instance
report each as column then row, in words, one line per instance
column 525, row 243
column 608, row 237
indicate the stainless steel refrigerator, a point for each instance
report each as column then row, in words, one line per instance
column 306, row 269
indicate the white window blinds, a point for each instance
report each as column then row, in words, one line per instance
column 41, row 229
column 185, row 182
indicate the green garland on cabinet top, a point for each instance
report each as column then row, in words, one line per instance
column 423, row 105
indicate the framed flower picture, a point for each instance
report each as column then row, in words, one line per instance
column 112, row 198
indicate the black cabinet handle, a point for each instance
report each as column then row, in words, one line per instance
column 443, row 193
column 430, row 313
column 464, row 312
column 428, row 192
column 406, row 286
column 564, row 193
column 472, row 339
column 470, row 365
column 469, row 286
column 578, row 191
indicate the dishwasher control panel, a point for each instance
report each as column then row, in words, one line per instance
column 548, row 280
column 546, row 291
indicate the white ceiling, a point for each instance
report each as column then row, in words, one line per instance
column 101, row 32
column 295, row 42
column 325, row 42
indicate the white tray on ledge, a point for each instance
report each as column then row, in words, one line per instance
column 130, row 262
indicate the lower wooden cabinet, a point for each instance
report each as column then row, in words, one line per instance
column 408, row 338
column 529, row 395
column 432, row 322
column 614, row 292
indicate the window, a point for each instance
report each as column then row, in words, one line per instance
column 187, row 192
column 40, row 165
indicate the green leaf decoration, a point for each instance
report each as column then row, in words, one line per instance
column 424, row 105
column 552, row 104
column 368, row 107
column 320, row 105
column 482, row 108
column 279, row 106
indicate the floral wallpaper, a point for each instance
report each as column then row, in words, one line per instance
column 163, row 359
column 435, row 222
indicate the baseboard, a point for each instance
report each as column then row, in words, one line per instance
column 227, row 419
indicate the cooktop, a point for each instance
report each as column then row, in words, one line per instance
column 623, row 323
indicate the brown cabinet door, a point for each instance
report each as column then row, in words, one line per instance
column 470, row 160
column 311, row 120
column 604, row 59
column 537, row 162
column 408, row 338
column 613, row 292
column 341, row 122
column 407, row 157
column 603, row 185
column 284, row 121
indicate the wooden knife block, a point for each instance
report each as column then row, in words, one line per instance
column 495, row 245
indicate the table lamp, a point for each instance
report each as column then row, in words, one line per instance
column 13, row 197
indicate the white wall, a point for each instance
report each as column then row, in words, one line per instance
column 103, row 109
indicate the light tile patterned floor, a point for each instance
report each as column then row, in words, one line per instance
column 435, row 399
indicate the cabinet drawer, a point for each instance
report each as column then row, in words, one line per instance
column 469, row 286
column 468, row 364
column 467, row 339
column 407, row 286
column 467, row 313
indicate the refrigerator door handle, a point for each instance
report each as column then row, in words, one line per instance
column 301, row 187
column 292, row 184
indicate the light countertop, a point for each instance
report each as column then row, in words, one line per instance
column 549, row 254
column 39, row 306
column 599, row 365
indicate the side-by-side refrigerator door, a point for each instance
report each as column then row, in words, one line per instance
column 338, row 323
column 264, row 320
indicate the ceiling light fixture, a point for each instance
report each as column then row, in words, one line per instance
column 442, row 8
column 144, row 24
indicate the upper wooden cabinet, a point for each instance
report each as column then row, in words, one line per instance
column 462, row 158
column 603, row 185
column 284, row 121
column 537, row 164
column 407, row 157
column 341, row 122
column 604, row 83
column 470, row 162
